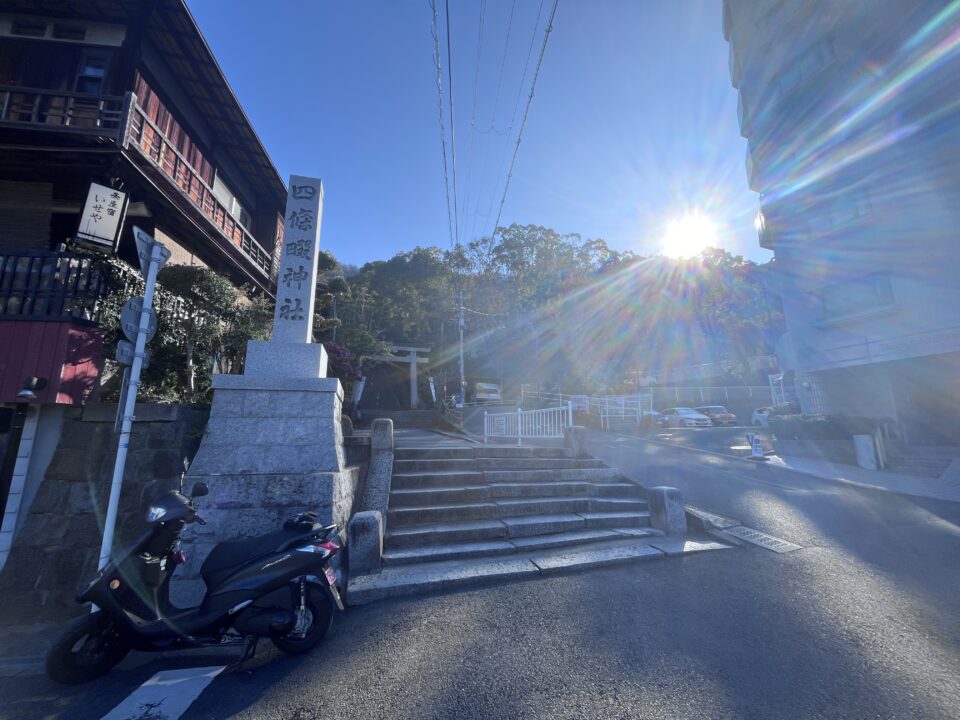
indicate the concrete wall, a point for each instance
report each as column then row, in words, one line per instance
column 57, row 545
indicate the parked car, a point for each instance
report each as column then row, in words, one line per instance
column 761, row 416
column 684, row 417
column 718, row 414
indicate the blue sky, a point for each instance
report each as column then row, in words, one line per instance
column 633, row 123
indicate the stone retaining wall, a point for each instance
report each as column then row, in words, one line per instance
column 57, row 547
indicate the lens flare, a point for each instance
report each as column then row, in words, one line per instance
column 688, row 237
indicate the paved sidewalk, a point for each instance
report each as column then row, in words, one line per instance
column 947, row 487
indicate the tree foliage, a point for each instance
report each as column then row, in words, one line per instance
column 558, row 309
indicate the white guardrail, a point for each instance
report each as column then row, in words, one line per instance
column 530, row 424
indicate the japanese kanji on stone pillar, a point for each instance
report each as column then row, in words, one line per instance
column 291, row 352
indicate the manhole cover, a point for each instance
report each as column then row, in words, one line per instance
column 762, row 539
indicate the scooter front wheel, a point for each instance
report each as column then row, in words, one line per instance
column 87, row 650
column 317, row 622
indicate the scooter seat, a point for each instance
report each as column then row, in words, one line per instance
column 231, row 554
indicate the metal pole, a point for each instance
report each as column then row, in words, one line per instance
column 463, row 380
column 519, row 427
column 569, row 413
column 484, row 427
column 128, row 409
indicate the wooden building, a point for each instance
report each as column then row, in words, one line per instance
column 128, row 95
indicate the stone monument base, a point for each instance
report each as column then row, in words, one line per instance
column 273, row 448
column 265, row 358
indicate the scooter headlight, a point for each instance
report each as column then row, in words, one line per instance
column 155, row 513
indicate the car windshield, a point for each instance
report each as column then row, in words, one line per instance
column 713, row 408
column 687, row 411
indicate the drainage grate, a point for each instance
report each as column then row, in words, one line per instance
column 762, row 539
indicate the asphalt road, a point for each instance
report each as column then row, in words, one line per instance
column 860, row 623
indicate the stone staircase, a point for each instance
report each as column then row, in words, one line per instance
column 402, row 418
column 461, row 516
column 455, row 503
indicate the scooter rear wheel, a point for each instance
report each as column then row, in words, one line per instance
column 319, row 607
column 88, row 649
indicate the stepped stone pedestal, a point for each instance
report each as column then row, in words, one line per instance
column 273, row 446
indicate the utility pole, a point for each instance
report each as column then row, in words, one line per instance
column 463, row 380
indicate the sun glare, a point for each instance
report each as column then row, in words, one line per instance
column 688, row 236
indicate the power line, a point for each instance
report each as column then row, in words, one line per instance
column 526, row 113
column 516, row 109
column 503, row 64
column 473, row 115
column 492, row 128
column 443, row 130
column 453, row 141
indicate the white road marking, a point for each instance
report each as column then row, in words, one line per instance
column 165, row 696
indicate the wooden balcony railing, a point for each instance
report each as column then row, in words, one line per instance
column 62, row 111
column 52, row 286
column 151, row 141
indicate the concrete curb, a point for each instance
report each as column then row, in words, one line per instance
column 421, row 578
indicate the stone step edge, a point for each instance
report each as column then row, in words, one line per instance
column 491, row 485
column 416, row 579
column 598, row 472
column 506, row 503
column 454, row 525
column 521, row 544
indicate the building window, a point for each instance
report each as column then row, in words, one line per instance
column 806, row 66
column 92, row 73
column 69, row 32
column 28, row 28
column 229, row 200
column 860, row 296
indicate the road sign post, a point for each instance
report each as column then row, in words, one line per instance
column 152, row 257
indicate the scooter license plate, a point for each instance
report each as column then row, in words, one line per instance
column 331, row 576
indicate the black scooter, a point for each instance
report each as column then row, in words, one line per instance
column 279, row 585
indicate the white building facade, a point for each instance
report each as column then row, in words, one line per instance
column 853, row 127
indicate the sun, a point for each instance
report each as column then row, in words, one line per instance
column 688, row 236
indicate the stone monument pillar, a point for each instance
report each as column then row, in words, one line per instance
column 273, row 446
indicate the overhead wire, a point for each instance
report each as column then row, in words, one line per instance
column 492, row 128
column 513, row 118
column 443, row 131
column 453, row 140
column 526, row 114
column 473, row 115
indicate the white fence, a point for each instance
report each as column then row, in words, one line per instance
column 654, row 396
column 625, row 407
column 544, row 423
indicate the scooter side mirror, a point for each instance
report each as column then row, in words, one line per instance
column 199, row 490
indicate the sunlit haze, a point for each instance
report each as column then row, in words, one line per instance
column 689, row 236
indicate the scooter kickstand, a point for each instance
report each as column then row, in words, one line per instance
column 249, row 650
